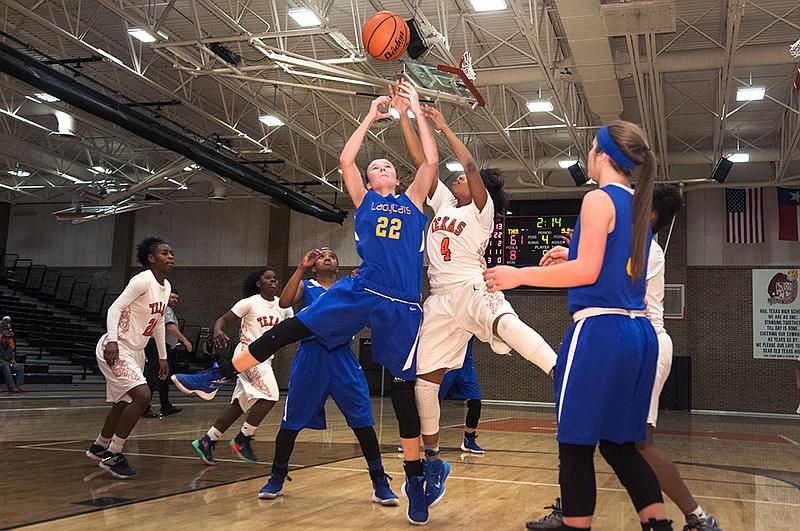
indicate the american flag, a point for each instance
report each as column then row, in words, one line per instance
column 745, row 222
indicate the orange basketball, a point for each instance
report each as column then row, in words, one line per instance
column 385, row 36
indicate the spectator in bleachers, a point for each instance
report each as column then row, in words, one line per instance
column 13, row 373
column 175, row 341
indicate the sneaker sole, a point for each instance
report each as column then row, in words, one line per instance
column 202, row 456
column 116, row 475
column 389, row 502
column 93, row 457
column 412, row 522
column 238, row 454
column 444, row 477
column 466, row 449
column 269, row 495
column 187, row 391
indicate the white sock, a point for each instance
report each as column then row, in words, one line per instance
column 699, row 512
column 214, row 434
column 248, row 429
column 102, row 441
column 427, row 396
column 115, row 447
column 526, row 341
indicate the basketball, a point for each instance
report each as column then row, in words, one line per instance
column 385, row 36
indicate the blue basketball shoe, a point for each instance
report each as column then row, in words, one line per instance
column 204, row 384
column 414, row 490
column 436, row 471
column 469, row 444
column 383, row 493
column 274, row 487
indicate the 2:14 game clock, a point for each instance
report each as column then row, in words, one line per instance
column 524, row 240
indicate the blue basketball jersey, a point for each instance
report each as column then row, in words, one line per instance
column 311, row 292
column 390, row 239
column 614, row 287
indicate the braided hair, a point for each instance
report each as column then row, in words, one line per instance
column 147, row 247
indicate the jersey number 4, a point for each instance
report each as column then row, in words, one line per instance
column 393, row 228
column 445, row 249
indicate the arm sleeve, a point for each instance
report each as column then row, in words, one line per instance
column 242, row 308
column 161, row 343
column 137, row 287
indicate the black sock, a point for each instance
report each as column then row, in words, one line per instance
column 657, row 525
column 413, row 468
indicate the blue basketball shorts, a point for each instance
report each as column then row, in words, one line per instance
column 318, row 373
column 460, row 384
column 347, row 307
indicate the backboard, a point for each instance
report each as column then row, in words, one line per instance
column 442, row 78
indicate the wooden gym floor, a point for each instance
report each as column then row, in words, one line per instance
column 744, row 470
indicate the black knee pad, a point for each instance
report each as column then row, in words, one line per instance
column 633, row 472
column 405, row 408
column 282, row 334
column 473, row 413
column 576, row 477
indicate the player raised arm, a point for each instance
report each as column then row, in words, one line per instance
column 347, row 160
column 414, row 146
column 293, row 290
column 597, row 215
column 476, row 187
column 426, row 173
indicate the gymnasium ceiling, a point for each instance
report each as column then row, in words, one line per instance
column 673, row 66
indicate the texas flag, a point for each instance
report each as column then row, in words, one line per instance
column 788, row 214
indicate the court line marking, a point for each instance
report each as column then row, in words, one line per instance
column 788, row 439
column 536, row 484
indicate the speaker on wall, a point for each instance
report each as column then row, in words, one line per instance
column 721, row 170
column 577, row 174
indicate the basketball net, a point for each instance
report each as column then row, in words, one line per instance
column 466, row 66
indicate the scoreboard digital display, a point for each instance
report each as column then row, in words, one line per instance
column 524, row 240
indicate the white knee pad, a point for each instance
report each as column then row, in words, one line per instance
column 427, row 397
column 526, row 341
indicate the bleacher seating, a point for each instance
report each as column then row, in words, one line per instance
column 58, row 320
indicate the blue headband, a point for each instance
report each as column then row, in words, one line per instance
column 607, row 144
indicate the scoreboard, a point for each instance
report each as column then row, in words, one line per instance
column 524, row 240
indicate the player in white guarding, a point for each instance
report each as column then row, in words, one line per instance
column 256, row 389
column 460, row 306
column 134, row 316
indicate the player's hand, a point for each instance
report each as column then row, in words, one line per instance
column 556, row 255
column 163, row 369
column 220, row 339
column 111, row 353
column 398, row 102
column 407, row 90
column 435, row 115
column 310, row 258
column 188, row 345
column 502, row 277
column 374, row 109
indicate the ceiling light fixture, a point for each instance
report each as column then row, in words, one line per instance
column 270, row 121
column 741, row 156
column 454, row 166
column 750, row 93
column 566, row 163
column 488, row 5
column 141, row 34
column 19, row 173
column 44, row 96
column 191, row 167
column 540, row 106
column 101, row 169
column 304, row 17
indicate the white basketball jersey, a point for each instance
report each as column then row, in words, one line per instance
column 258, row 315
column 133, row 317
column 457, row 238
column 654, row 296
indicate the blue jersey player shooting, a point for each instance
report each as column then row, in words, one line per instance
column 390, row 236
